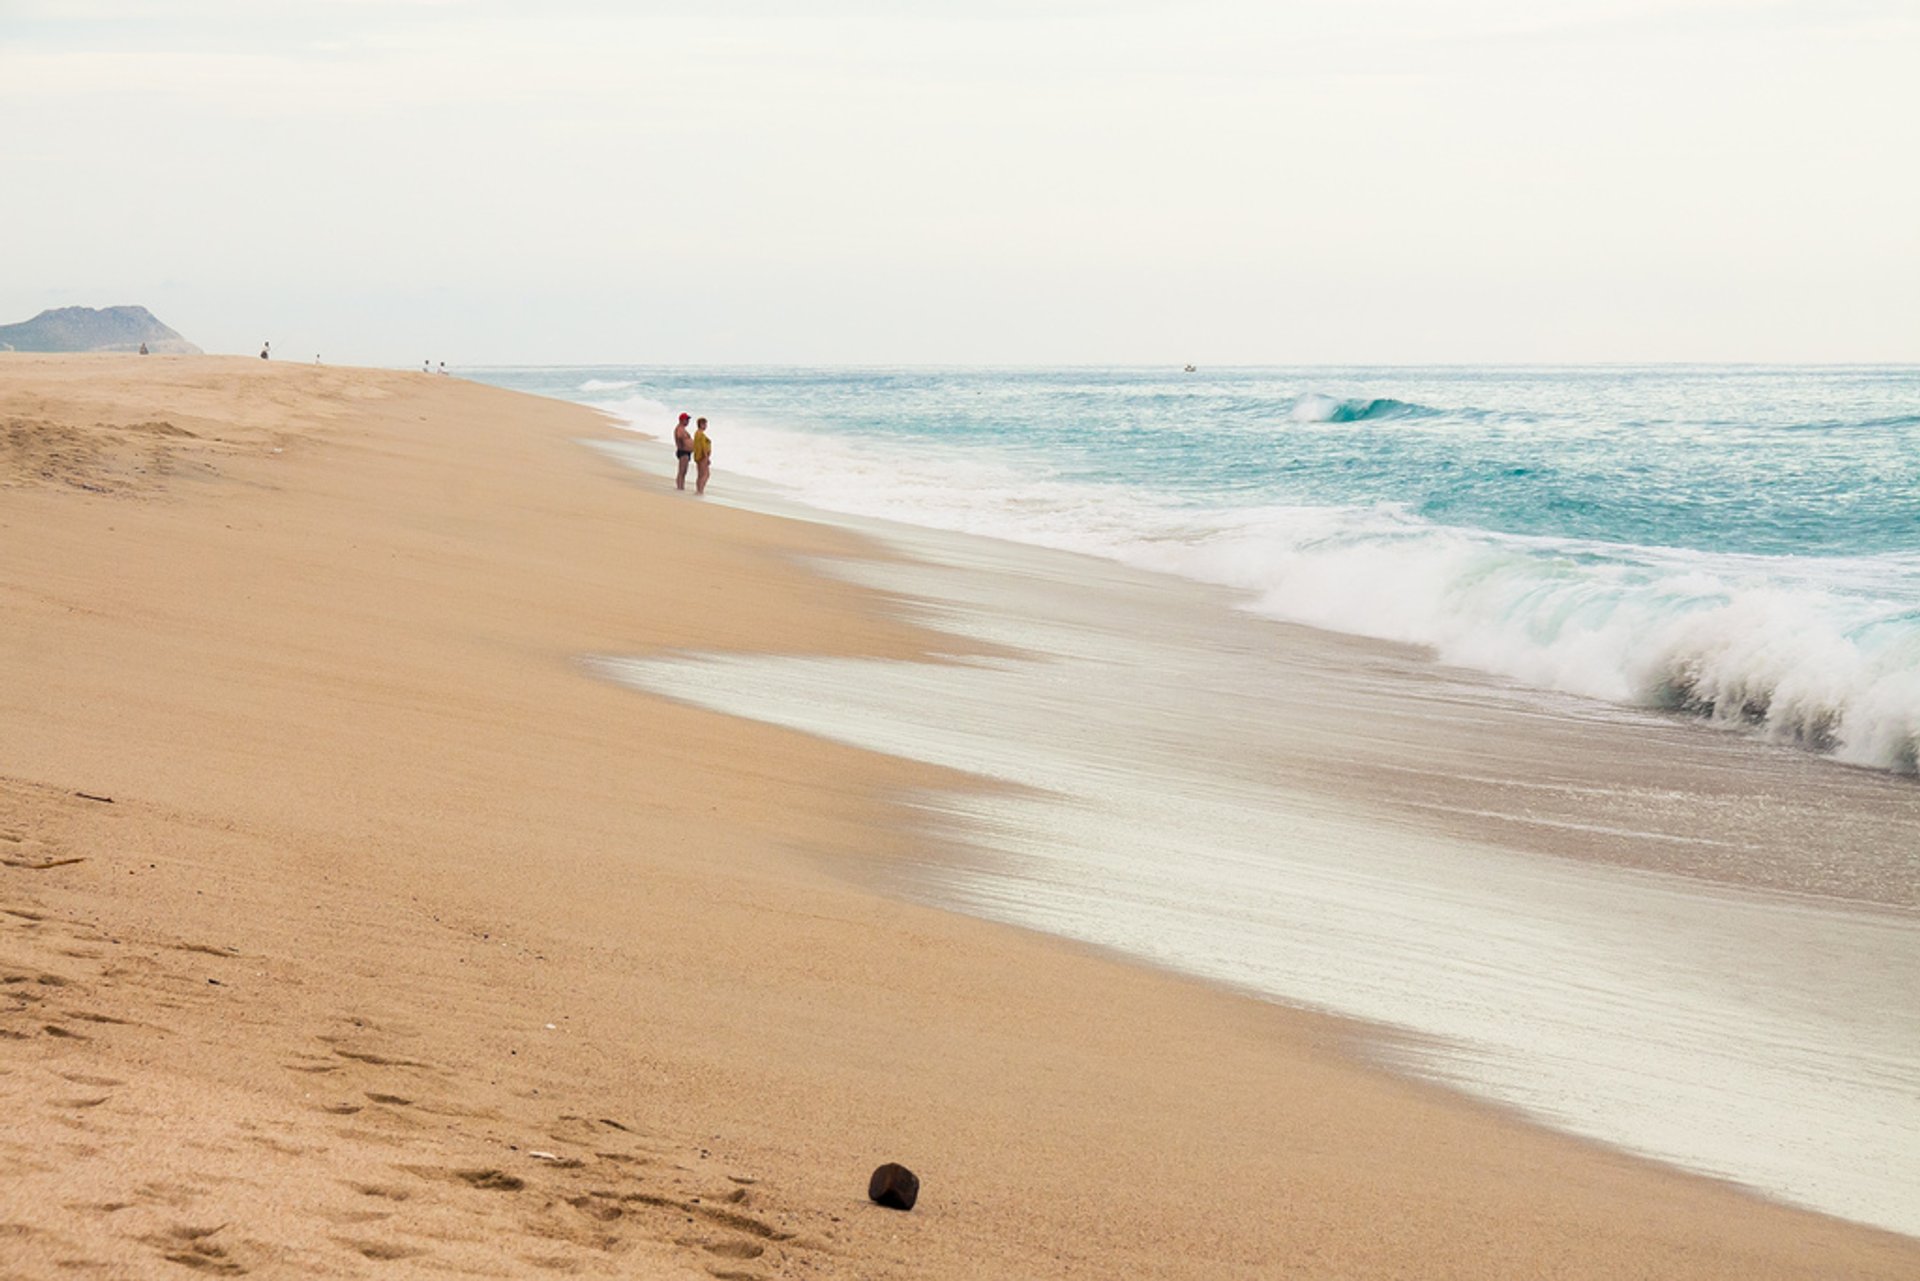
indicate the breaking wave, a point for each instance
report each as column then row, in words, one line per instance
column 1820, row 655
column 1314, row 407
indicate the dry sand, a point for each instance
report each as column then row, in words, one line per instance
column 349, row 927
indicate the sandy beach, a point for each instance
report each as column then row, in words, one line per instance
column 352, row 925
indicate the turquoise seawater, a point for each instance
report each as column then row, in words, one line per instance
column 1737, row 543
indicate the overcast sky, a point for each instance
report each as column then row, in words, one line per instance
column 1294, row 181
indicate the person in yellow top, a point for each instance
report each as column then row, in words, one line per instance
column 702, row 456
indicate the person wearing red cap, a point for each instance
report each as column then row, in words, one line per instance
column 682, row 450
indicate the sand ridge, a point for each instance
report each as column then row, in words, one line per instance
column 401, row 945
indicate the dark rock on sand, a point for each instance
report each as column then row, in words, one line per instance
column 894, row 1186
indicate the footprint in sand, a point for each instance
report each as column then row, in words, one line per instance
column 380, row 1060
column 385, row 1191
column 355, row 1218
column 41, row 865
column 488, row 1180
column 712, row 1213
column 82, row 1078
column 195, row 1248
column 597, row 1210
column 206, row 949
column 170, row 1194
column 205, row 1257
column 552, row 1262
column 741, row 1222
column 98, row 1207
column 384, row 1251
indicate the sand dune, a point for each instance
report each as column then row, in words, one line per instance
column 349, row 926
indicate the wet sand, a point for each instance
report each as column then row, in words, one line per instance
column 350, row 923
column 1688, row 943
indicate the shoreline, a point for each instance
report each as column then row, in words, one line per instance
column 1521, row 799
column 1793, row 649
column 360, row 781
column 1521, row 967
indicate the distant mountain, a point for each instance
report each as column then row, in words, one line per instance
column 88, row 329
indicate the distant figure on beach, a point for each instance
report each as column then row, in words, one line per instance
column 143, row 349
column 682, row 450
column 426, row 366
column 702, row 456
column 443, row 366
column 265, row 347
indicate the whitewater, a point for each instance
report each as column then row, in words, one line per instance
column 1737, row 544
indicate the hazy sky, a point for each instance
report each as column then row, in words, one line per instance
column 1293, row 181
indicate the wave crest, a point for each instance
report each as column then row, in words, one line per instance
column 1316, row 407
column 1767, row 661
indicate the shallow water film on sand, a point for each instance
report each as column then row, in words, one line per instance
column 1190, row 801
column 1740, row 544
column 1697, row 946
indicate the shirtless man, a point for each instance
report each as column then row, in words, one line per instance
column 702, row 456
column 682, row 450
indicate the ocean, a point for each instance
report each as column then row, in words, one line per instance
column 1740, row 544
column 1556, row 725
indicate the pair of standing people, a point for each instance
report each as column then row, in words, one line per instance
column 692, row 446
